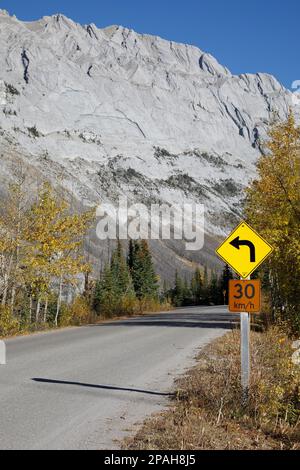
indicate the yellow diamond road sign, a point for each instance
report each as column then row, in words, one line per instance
column 244, row 250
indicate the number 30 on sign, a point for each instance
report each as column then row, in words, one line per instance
column 245, row 296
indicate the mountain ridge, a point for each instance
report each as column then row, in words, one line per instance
column 115, row 112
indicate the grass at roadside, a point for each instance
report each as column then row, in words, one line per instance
column 76, row 315
column 207, row 413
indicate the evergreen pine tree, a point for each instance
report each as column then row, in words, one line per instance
column 205, row 286
column 142, row 270
column 97, row 296
column 166, row 294
column 214, row 290
column 131, row 251
column 115, row 288
column 178, row 291
column 120, row 273
column 197, row 287
column 187, row 293
column 106, row 293
column 227, row 275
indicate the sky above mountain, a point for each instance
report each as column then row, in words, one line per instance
column 246, row 37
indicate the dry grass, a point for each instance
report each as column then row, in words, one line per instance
column 76, row 315
column 207, row 412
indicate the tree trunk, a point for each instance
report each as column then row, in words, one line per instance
column 12, row 303
column 58, row 302
column 30, row 308
column 46, row 310
column 7, row 276
column 86, row 284
column 5, row 290
column 13, row 294
column 38, row 308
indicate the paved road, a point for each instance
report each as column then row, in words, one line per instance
column 84, row 388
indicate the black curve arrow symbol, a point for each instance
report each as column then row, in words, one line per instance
column 237, row 243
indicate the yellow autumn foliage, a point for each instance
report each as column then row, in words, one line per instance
column 273, row 208
column 41, row 251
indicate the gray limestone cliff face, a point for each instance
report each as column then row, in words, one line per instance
column 114, row 112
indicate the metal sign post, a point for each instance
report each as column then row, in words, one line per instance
column 245, row 355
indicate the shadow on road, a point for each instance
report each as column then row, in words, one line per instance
column 200, row 320
column 102, row 387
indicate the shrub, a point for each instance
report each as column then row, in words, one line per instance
column 125, row 305
column 274, row 400
column 275, row 395
column 154, row 305
column 8, row 324
column 77, row 313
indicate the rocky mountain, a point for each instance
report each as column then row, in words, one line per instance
column 105, row 112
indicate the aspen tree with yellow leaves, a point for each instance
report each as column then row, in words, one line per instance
column 12, row 247
column 56, row 239
column 41, row 252
column 273, row 208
